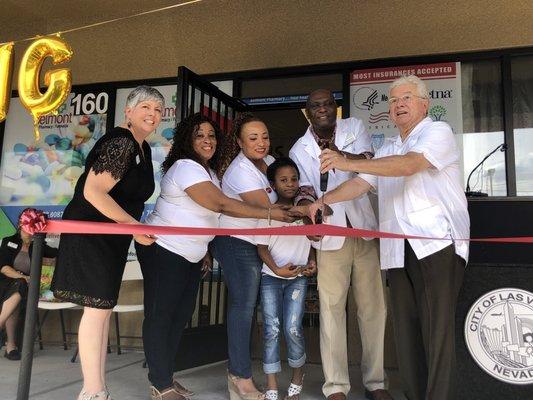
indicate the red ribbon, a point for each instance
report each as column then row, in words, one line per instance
column 32, row 221
column 87, row 227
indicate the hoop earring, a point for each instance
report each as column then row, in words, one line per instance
column 128, row 124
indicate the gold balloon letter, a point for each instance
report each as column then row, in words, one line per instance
column 6, row 68
column 59, row 81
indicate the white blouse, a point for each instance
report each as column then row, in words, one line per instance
column 242, row 176
column 174, row 207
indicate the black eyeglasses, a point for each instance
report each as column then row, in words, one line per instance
column 318, row 105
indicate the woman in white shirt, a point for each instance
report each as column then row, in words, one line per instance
column 245, row 179
column 190, row 196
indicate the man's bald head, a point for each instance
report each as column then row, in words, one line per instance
column 318, row 93
column 321, row 110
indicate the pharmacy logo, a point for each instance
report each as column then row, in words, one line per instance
column 499, row 334
column 437, row 113
column 365, row 98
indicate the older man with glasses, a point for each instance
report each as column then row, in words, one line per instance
column 418, row 180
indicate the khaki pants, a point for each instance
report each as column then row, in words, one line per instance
column 356, row 262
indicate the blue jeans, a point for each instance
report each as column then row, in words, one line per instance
column 283, row 300
column 242, row 272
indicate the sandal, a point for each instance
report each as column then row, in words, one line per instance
column 235, row 394
column 182, row 390
column 293, row 393
column 165, row 394
column 103, row 395
column 271, row 394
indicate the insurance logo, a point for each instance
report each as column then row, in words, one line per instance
column 499, row 334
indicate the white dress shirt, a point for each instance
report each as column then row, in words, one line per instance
column 430, row 203
column 352, row 137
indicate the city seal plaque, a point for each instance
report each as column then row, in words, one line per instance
column 499, row 334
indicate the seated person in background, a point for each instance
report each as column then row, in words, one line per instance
column 15, row 254
column 288, row 261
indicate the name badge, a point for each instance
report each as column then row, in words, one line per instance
column 137, row 159
column 350, row 138
column 12, row 245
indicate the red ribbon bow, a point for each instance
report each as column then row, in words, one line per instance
column 32, row 221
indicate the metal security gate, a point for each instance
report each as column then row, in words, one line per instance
column 198, row 95
column 205, row 338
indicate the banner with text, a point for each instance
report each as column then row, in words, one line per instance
column 369, row 91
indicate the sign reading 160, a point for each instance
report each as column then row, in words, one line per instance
column 89, row 103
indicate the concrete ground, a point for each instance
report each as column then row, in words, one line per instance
column 55, row 377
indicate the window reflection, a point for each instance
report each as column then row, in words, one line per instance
column 522, row 81
column 483, row 126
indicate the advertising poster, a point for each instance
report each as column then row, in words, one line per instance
column 43, row 173
column 369, row 91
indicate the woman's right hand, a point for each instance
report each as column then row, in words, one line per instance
column 145, row 240
column 282, row 214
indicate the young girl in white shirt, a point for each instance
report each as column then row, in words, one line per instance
column 287, row 262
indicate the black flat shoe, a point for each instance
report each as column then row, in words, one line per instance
column 13, row 355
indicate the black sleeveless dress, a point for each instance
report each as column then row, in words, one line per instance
column 89, row 268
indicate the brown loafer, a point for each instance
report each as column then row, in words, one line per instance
column 378, row 394
column 337, row 396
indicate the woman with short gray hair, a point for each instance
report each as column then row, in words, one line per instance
column 117, row 180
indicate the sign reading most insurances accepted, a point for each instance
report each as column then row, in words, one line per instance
column 369, row 91
column 499, row 334
column 43, row 173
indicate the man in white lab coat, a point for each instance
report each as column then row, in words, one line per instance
column 344, row 261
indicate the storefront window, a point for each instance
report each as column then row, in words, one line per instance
column 481, row 91
column 522, row 78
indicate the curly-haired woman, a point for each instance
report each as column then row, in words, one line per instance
column 172, row 266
